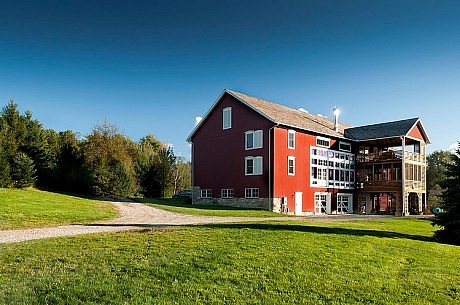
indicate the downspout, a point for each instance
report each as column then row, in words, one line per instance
column 403, row 177
column 192, row 167
column 270, row 197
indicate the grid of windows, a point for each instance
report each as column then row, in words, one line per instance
column 330, row 168
column 251, row 192
column 253, row 139
column 291, row 139
column 291, row 166
column 253, row 166
column 227, row 118
column 226, row 193
column 206, row 193
column 320, row 141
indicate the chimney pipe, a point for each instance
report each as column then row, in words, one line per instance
column 336, row 112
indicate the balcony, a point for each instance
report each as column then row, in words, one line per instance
column 389, row 156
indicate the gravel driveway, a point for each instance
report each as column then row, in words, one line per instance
column 135, row 216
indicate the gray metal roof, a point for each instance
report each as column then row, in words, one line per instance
column 381, row 131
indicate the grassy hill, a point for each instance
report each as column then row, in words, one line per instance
column 27, row 208
column 388, row 261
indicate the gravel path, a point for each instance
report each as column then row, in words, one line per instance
column 136, row 216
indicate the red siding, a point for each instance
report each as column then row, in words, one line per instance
column 218, row 155
column 286, row 185
column 416, row 133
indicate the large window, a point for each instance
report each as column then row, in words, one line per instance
column 227, row 118
column 330, row 168
column 251, row 192
column 206, row 193
column 291, row 166
column 253, row 165
column 253, row 139
column 226, row 193
column 291, row 139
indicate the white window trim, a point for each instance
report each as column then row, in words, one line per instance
column 341, row 163
column 345, row 143
column 290, row 131
column 252, row 191
column 323, row 139
column 207, row 193
column 291, row 158
column 256, row 135
column 257, row 166
column 227, row 193
column 229, row 123
column 349, row 207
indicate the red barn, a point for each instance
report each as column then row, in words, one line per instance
column 252, row 153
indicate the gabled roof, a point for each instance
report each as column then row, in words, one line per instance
column 298, row 119
column 290, row 117
column 385, row 130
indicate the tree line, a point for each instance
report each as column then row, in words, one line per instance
column 105, row 163
column 443, row 175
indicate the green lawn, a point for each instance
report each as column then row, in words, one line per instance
column 26, row 208
column 389, row 261
column 181, row 206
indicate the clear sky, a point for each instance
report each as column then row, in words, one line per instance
column 153, row 66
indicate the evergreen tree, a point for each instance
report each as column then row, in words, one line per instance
column 449, row 219
column 23, row 171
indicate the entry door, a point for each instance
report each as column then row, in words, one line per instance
column 298, row 203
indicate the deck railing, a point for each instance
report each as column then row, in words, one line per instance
column 391, row 155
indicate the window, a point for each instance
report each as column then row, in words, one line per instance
column 253, row 166
column 330, row 168
column 206, row 193
column 251, row 193
column 291, row 139
column 253, row 139
column 291, row 166
column 227, row 118
column 344, row 146
column 226, row 193
column 320, row 141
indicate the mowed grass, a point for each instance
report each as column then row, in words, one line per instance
column 390, row 261
column 183, row 207
column 27, row 208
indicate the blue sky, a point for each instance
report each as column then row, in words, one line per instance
column 151, row 67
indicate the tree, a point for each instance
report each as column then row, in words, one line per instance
column 5, row 180
column 164, row 165
column 146, row 168
column 449, row 219
column 436, row 168
column 110, row 156
column 181, row 174
column 23, row 171
column 435, row 174
column 71, row 175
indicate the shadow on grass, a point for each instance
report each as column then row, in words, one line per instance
column 319, row 230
